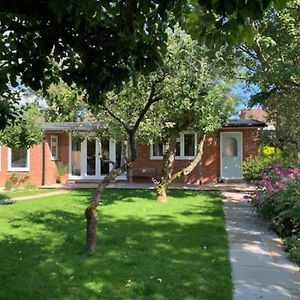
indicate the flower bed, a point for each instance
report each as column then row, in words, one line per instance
column 277, row 199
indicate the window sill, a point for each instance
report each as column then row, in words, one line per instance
column 176, row 158
column 18, row 170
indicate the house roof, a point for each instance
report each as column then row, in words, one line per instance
column 73, row 126
column 256, row 114
column 90, row 126
column 244, row 123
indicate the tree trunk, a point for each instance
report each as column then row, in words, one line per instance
column 167, row 178
column 162, row 193
column 187, row 170
column 167, row 168
column 91, row 226
column 91, row 210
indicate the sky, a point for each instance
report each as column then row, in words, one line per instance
column 243, row 94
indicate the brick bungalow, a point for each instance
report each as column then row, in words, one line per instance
column 224, row 152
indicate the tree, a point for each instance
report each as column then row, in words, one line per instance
column 98, row 45
column 8, row 107
column 116, row 102
column 25, row 131
column 65, row 103
column 205, row 113
column 225, row 23
column 272, row 62
column 194, row 96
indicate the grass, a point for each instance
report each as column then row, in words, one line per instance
column 20, row 193
column 145, row 250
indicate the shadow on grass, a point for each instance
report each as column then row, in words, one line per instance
column 4, row 196
column 137, row 258
column 130, row 195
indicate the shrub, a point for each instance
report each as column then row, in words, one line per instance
column 254, row 166
column 292, row 245
column 15, row 181
column 29, row 186
column 62, row 169
column 277, row 199
column 9, row 185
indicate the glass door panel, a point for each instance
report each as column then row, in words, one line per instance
column 76, row 157
column 90, row 157
column 105, row 156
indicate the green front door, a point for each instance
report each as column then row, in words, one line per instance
column 231, row 155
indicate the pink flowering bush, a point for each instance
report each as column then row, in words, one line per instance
column 277, row 198
column 273, row 183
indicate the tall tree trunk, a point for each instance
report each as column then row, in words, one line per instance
column 91, row 210
column 168, row 165
column 167, row 168
column 187, row 170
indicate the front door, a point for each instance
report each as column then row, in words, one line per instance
column 231, row 155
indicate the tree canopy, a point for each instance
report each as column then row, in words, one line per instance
column 272, row 62
column 24, row 131
column 65, row 103
column 100, row 44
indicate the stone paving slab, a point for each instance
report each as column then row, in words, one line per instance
column 260, row 267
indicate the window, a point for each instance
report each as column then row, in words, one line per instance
column 185, row 147
column 156, row 150
column 178, row 146
column 189, row 144
column 231, row 147
column 54, row 147
column 18, row 159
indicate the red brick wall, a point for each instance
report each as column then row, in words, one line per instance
column 35, row 173
column 34, row 176
column 210, row 170
column 63, row 153
column 144, row 161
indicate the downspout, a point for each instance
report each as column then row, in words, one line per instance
column 43, row 162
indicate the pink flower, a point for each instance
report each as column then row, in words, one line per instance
column 280, row 186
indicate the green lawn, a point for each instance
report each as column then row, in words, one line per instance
column 21, row 193
column 146, row 250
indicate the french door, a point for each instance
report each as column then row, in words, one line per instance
column 85, row 162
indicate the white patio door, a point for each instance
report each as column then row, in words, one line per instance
column 231, row 155
column 85, row 162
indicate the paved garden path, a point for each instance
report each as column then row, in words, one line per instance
column 260, row 268
column 40, row 195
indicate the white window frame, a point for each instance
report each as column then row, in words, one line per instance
column 98, row 175
column 152, row 156
column 23, row 169
column 180, row 139
column 54, row 157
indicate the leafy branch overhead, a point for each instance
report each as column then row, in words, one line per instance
column 25, row 131
column 272, row 62
column 99, row 44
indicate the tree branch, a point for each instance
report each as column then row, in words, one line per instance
column 151, row 99
column 117, row 118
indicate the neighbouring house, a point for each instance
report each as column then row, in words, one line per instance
column 258, row 114
column 224, row 152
